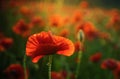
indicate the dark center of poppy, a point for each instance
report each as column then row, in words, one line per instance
column 111, row 64
column 55, row 23
column 23, row 27
column 49, row 49
column 14, row 73
column 6, row 43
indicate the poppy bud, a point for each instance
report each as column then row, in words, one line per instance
column 80, row 36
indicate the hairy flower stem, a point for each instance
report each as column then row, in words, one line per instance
column 24, row 64
column 80, row 38
column 49, row 66
column 78, row 64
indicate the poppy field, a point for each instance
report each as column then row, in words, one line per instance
column 58, row 39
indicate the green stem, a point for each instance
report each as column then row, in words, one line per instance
column 78, row 64
column 49, row 66
column 24, row 64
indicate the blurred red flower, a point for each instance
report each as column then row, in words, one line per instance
column 96, row 57
column 89, row 29
column 56, row 20
column 110, row 64
column 116, row 71
column 64, row 33
column 78, row 46
column 21, row 28
column 104, row 35
column 44, row 43
column 77, row 16
column 61, row 75
column 114, row 20
column 5, row 43
column 57, row 75
column 15, row 71
column 84, row 4
column 37, row 20
column 26, row 11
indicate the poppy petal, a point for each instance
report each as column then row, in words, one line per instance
column 32, row 45
column 35, row 59
column 66, row 47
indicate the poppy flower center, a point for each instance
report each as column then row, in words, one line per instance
column 47, row 49
column 14, row 73
column 111, row 64
column 23, row 28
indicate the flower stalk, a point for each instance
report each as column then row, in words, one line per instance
column 78, row 64
column 80, row 37
column 49, row 66
column 24, row 65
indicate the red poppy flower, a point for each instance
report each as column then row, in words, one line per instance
column 26, row 11
column 114, row 22
column 61, row 75
column 84, row 4
column 115, row 17
column 64, row 33
column 21, row 28
column 5, row 43
column 78, row 46
column 56, row 75
column 105, row 36
column 89, row 29
column 44, row 43
column 116, row 71
column 15, row 71
column 77, row 16
column 55, row 21
column 96, row 57
column 37, row 21
column 109, row 64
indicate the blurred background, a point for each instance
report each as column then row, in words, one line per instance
column 98, row 19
